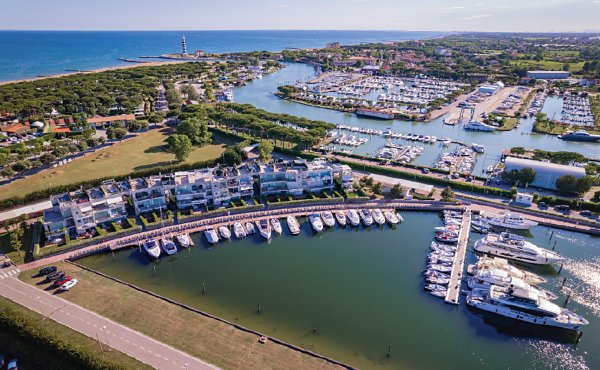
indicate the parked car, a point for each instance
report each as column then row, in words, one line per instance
column 69, row 284
column 426, row 170
column 62, row 281
column 12, row 365
column 586, row 213
column 55, row 276
column 47, row 270
column 542, row 205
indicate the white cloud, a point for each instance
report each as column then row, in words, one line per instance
column 477, row 16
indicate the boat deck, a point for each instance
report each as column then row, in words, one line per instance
column 456, row 275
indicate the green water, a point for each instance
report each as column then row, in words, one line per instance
column 363, row 290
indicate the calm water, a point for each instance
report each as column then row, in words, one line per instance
column 260, row 94
column 32, row 53
column 363, row 290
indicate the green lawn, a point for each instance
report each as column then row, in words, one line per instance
column 45, row 344
column 546, row 65
column 140, row 153
column 10, row 252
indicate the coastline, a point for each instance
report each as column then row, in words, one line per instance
column 98, row 70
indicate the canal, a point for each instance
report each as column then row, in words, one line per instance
column 260, row 94
column 363, row 291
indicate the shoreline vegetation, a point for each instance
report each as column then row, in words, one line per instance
column 45, row 344
column 209, row 339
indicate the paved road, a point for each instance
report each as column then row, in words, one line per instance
column 119, row 337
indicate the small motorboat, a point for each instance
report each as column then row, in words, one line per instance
column 276, row 225
column 250, row 228
column 293, row 225
column 152, row 249
column 264, row 228
column 400, row 218
column 225, row 232
column 378, row 216
column 239, row 231
column 391, row 217
column 183, row 240
column 315, row 222
column 440, row 268
column 211, row 235
column 340, row 217
column 168, row 246
column 366, row 217
column 439, row 293
column 353, row 217
column 328, row 219
column 447, row 237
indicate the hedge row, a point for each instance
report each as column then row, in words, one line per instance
column 305, row 201
column 572, row 203
column 47, row 192
column 43, row 348
column 430, row 180
column 218, row 212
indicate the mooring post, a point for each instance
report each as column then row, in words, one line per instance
column 314, row 328
column 389, row 352
column 567, row 300
column 203, row 288
column 560, row 268
column 579, row 337
column 554, row 246
column 258, row 308
column 563, row 282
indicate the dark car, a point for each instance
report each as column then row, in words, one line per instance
column 12, row 365
column 542, row 205
column 425, row 170
column 586, row 213
column 47, row 270
column 54, row 276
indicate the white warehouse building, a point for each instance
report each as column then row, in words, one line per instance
column 546, row 173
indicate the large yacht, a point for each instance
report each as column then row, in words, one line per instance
column 366, row 217
column 516, row 248
column 353, row 217
column 524, row 305
column 509, row 220
column 478, row 126
column 264, row 228
column 293, row 225
column 315, row 222
column 579, row 135
column 503, row 264
column 168, row 246
column 378, row 216
column 488, row 277
column 211, row 235
column 151, row 247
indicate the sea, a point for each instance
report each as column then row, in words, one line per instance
column 27, row 54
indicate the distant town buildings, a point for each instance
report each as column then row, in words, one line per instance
column 333, row 45
column 123, row 120
column 548, row 75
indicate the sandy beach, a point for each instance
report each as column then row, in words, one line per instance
column 132, row 65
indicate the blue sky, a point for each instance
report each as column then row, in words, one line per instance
column 435, row 15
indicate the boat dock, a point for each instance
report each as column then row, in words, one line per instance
column 459, row 260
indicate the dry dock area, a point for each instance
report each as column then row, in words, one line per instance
column 459, row 260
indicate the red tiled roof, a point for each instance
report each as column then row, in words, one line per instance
column 61, row 129
column 123, row 117
column 61, row 122
column 14, row 129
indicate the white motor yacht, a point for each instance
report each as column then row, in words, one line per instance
column 353, row 217
column 508, row 220
column 276, row 225
column 238, row 230
column 366, row 217
column 211, row 235
column 391, row 217
column 524, row 305
column 250, row 228
column 315, row 222
column 293, row 225
column 378, row 216
column 168, row 246
column 183, row 240
column 328, row 219
column 515, row 247
column 400, row 218
column 152, row 249
column 225, row 232
column 484, row 278
column 264, row 228
column 340, row 217
column 503, row 264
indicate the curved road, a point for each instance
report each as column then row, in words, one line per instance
column 117, row 336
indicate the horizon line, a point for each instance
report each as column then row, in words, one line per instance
column 293, row 29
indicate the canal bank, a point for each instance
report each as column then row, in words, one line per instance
column 362, row 289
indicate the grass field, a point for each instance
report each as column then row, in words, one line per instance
column 200, row 336
column 546, row 65
column 11, row 253
column 139, row 153
column 39, row 354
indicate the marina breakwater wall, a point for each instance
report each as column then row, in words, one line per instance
column 206, row 314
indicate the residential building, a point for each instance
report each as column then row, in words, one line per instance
column 213, row 187
column 122, row 120
column 298, row 176
column 79, row 211
column 149, row 194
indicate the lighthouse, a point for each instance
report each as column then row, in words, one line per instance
column 183, row 46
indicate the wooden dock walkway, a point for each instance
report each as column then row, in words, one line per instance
column 459, row 260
